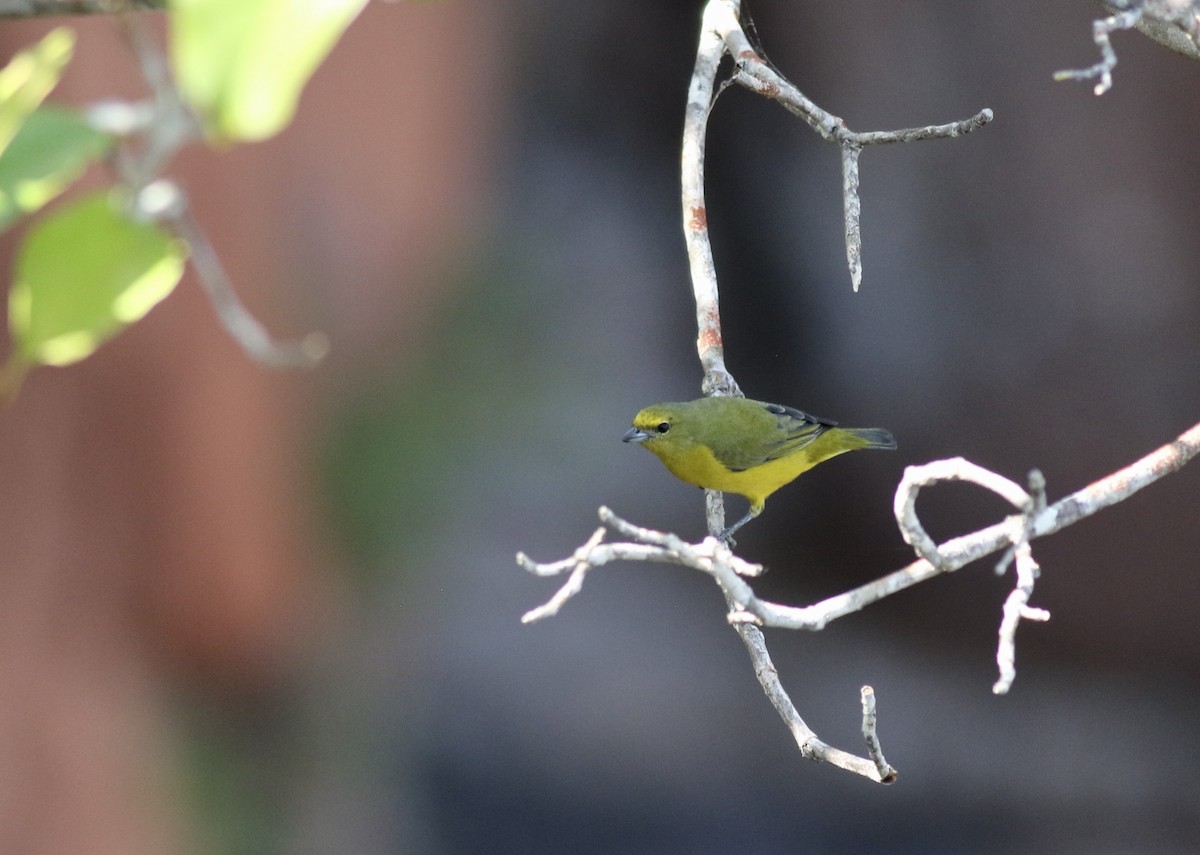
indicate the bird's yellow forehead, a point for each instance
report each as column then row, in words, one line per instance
column 650, row 417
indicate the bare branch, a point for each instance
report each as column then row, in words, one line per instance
column 852, row 213
column 709, row 344
column 241, row 325
column 721, row 33
column 49, row 8
column 955, row 469
column 886, row 773
column 1120, row 485
column 812, row 747
column 1108, row 57
column 1172, row 23
column 713, row 557
column 756, row 74
column 1016, row 607
column 747, row 612
column 961, row 551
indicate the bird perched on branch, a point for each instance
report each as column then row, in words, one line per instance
column 751, row 448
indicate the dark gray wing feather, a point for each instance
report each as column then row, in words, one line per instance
column 797, row 429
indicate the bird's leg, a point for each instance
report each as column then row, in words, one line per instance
column 727, row 535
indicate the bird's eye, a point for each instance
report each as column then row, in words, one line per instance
column 663, row 427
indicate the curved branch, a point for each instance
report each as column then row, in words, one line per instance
column 242, row 326
column 963, row 550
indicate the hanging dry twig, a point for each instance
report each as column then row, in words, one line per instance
column 1108, row 57
column 722, row 32
column 1173, row 23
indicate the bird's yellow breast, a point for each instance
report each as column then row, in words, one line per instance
column 695, row 464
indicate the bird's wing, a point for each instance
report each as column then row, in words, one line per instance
column 796, row 430
column 791, row 430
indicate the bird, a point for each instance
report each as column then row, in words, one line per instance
column 737, row 445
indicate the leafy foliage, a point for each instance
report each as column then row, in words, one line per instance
column 49, row 152
column 64, row 304
column 99, row 264
column 242, row 65
column 28, row 78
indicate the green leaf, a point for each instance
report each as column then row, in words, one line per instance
column 28, row 78
column 50, row 151
column 83, row 274
column 241, row 64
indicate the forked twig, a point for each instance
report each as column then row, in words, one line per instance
column 722, row 32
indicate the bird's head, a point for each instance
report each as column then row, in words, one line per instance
column 652, row 425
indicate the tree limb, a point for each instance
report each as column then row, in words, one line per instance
column 723, row 18
column 1172, row 23
column 747, row 612
column 49, row 8
column 721, row 32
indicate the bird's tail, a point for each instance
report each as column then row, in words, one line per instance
column 869, row 438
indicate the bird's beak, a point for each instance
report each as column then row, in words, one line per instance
column 635, row 435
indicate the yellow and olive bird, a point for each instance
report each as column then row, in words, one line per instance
column 751, row 448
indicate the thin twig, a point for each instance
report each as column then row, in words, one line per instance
column 172, row 125
column 811, row 746
column 1016, row 607
column 49, row 8
column 961, row 551
column 852, row 212
column 886, row 772
column 713, row 557
column 710, row 556
column 955, row 469
column 241, row 325
column 758, row 75
column 151, row 133
column 1172, row 23
column 1108, row 57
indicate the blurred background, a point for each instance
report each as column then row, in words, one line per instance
column 257, row 612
